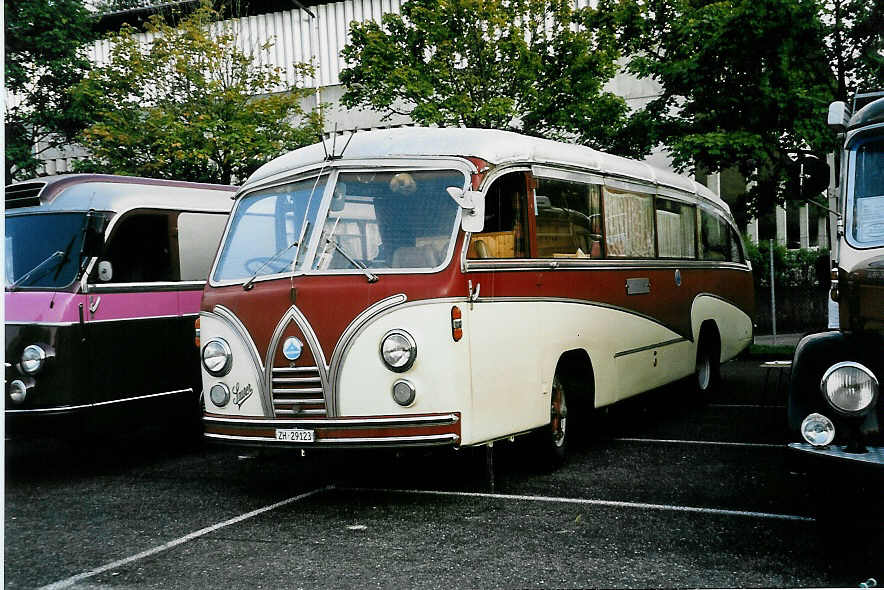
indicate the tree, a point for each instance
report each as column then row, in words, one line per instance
column 45, row 56
column 190, row 105
column 855, row 44
column 528, row 65
column 745, row 83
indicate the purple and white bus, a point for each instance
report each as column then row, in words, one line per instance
column 103, row 282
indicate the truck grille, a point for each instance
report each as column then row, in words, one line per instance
column 297, row 391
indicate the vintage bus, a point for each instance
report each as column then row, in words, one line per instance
column 460, row 286
column 103, row 281
column 835, row 412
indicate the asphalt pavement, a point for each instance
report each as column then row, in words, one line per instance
column 659, row 491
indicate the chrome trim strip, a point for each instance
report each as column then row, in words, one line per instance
column 305, row 390
column 544, row 264
column 47, row 324
column 99, row 404
column 874, row 455
column 429, row 439
column 300, row 412
column 295, row 380
column 298, row 401
column 293, row 314
column 405, row 421
column 237, row 326
column 650, row 347
column 148, row 317
column 347, row 337
column 145, row 287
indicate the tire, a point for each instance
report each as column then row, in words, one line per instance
column 707, row 372
column 554, row 438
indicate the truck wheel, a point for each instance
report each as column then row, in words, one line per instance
column 707, row 374
column 555, row 436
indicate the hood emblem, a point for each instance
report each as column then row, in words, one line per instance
column 292, row 348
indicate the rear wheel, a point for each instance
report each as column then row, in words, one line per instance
column 707, row 374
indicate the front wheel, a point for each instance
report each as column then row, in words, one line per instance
column 554, row 438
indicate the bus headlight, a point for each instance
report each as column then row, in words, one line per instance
column 850, row 388
column 219, row 394
column 32, row 359
column 398, row 350
column 818, row 430
column 404, row 393
column 18, row 391
column 217, row 357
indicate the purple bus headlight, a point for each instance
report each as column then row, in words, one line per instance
column 32, row 359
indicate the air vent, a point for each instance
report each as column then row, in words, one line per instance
column 26, row 194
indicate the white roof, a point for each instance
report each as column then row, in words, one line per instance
column 494, row 146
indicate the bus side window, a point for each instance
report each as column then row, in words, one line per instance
column 198, row 237
column 505, row 234
column 629, row 224
column 715, row 237
column 568, row 219
column 676, row 229
column 141, row 249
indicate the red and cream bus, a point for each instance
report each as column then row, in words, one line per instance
column 459, row 286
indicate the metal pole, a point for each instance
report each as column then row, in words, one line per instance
column 773, row 297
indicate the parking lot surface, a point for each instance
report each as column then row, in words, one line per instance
column 658, row 492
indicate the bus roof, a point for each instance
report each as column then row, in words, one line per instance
column 104, row 192
column 494, row 146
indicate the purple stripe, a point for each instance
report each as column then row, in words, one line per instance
column 34, row 306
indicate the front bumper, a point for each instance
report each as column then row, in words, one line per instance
column 360, row 432
column 874, row 456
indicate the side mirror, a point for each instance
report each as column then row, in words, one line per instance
column 105, row 271
column 809, row 177
column 838, row 116
column 473, row 205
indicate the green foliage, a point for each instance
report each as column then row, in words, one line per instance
column 190, row 105
column 746, row 83
column 855, row 44
column 45, row 41
column 528, row 65
column 792, row 268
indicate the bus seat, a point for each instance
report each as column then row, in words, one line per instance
column 414, row 257
column 482, row 250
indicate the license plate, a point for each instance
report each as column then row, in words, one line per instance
column 295, row 435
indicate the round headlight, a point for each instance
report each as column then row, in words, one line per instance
column 216, row 357
column 398, row 350
column 850, row 388
column 18, row 391
column 32, row 359
column 818, row 430
column 403, row 392
column 219, row 394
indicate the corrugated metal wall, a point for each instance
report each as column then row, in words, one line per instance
column 296, row 37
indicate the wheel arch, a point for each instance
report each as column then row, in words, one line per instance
column 575, row 368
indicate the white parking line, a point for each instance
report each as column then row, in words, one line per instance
column 67, row 583
column 607, row 503
column 714, row 443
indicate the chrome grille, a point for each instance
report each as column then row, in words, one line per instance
column 297, row 391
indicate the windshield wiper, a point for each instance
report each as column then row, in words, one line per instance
column 370, row 276
column 41, row 269
column 248, row 284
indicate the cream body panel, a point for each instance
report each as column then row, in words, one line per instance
column 508, row 395
column 734, row 325
column 244, row 372
column 440, row 373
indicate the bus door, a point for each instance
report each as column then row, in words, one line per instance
column 508, row 395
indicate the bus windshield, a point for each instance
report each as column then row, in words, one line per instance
column 382, row 220
column 43, row 250
column 866, row 207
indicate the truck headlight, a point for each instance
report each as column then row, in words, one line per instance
column 217, row 357
column 32, row 359
column 818, row 430
column 850, row 388
column 398, row 350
